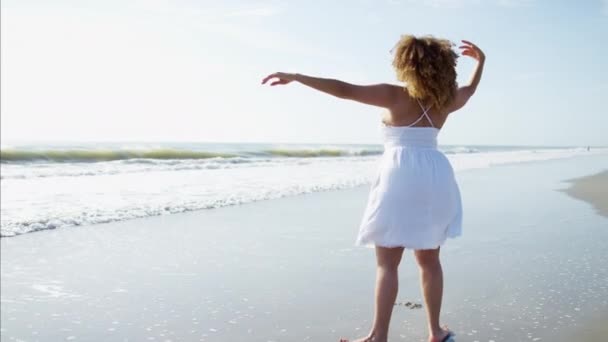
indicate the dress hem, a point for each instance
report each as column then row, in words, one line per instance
column 372, row 244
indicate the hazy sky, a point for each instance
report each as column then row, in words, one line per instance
column 143, row 70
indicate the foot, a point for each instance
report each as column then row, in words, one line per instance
column 441, row 336
column 368, row 338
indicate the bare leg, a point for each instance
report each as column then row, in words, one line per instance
column 431, row 282
column 387, row 285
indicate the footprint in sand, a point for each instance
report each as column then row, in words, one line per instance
column 409, row 305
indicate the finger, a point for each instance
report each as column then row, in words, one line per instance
column 268, row 78
column 276, row 82
column 467, row 42
column 471, row 44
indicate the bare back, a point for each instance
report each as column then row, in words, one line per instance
column 407, row 111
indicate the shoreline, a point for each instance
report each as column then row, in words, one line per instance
column 256, row 173
column 592, row 189
column 69, row 222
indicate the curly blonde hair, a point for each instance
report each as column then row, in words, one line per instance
column 428, row 67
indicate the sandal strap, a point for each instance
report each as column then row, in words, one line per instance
column 447, row 337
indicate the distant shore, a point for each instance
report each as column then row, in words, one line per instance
column 592, row 189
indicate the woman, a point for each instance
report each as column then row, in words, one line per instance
column 414, row 201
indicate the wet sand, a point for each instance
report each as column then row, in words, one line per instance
column 592, row 189
column 529, row 267
column 594, row 330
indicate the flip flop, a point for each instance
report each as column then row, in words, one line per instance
column 449, row 338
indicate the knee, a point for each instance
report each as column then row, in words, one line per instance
column 391, row 266
column 428, row 260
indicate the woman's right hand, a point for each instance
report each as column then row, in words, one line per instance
column 471, row 50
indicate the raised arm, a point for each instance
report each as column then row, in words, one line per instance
column 381, row 95
column 465, row 92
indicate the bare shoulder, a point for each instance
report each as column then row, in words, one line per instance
column 399, row 92
column 397, row 88
column 393, row 89
column 381, row 94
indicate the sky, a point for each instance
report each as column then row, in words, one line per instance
column 185, row 70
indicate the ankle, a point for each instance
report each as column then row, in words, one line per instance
column 376, row 336
column 435, row 333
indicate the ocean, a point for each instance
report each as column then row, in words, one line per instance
column 62, row 185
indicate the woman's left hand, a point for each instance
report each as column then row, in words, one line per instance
column 282, row 78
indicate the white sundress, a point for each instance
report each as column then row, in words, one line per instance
column 414, row 200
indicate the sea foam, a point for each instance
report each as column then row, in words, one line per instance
column 72, row 189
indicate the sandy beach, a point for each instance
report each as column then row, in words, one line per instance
column 529, row 267
column 592, row 189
